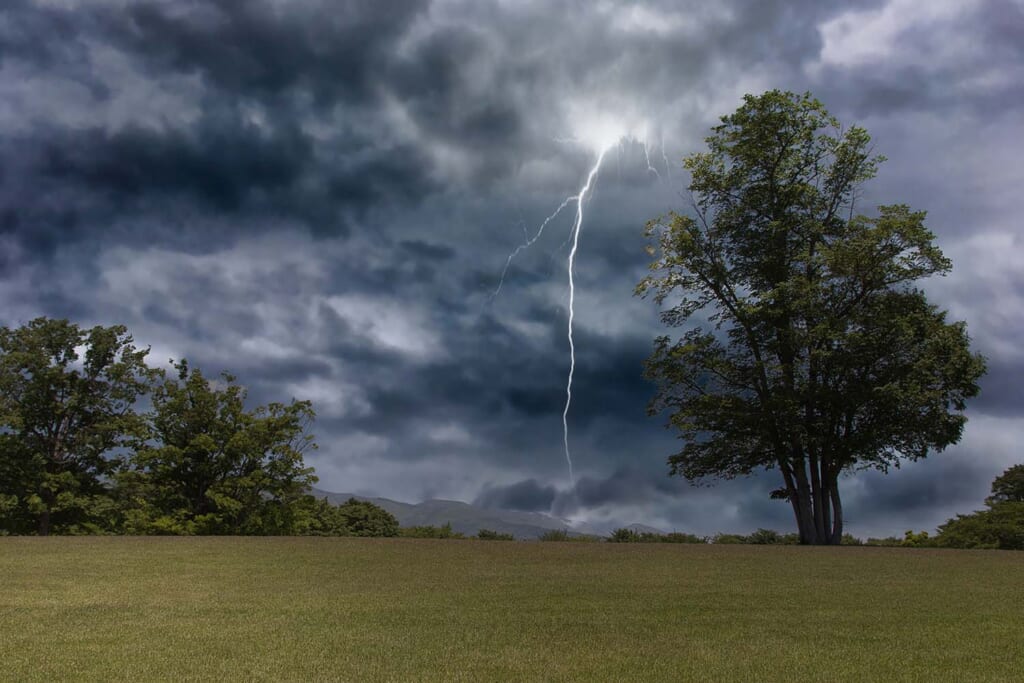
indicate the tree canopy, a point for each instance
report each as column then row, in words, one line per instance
column 215, row 467
column 807, row 347
column 67, row 404
column 77, row 455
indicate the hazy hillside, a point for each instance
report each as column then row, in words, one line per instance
column 464, row 517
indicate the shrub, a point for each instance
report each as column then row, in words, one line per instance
column 728, row 539
column 430, row 532
column 555, row 535
column 624, row 536
column 999, row 527
column 888, row 542
column 631, row 536
column 488, row 535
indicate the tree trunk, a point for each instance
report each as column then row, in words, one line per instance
column 44, row 517
column 837, row 517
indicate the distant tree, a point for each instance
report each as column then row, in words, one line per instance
column 555, row 535
column 214, row 467
column 491, row 535
column 624, row 535
column 819, row 355
column 426, row 531
column 1008, row 487
column 67, row 397
column 321, row 518
column 363, row 518
column 1001, row 526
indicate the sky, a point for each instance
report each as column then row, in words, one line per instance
column 322, row 197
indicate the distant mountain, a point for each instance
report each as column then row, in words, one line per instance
column 464, row 518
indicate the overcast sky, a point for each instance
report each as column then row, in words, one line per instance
column 321, row 197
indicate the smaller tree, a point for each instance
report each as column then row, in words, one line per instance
column 67, row 399
column 214, row 467
column 363, row 518
column 1008, row 487
column 351, row 518
column 1001, row 526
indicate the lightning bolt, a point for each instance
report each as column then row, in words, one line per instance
column 576, row 229
column 574, row 236
column 529, row 242
column 647, row 157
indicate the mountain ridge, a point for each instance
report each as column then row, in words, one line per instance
column 466, row 518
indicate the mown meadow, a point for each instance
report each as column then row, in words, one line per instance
column 355, row 609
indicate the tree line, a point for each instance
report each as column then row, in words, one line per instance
column 94, row 441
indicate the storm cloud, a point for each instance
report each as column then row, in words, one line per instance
column 321, row 197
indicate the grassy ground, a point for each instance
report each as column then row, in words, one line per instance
column 406, row 610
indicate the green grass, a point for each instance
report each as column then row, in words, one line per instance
column 352, row 609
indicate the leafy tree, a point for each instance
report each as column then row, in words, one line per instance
column 809, row 349
column 1008, row 487
column 214, row 467
column 427, row 531
column 67, row 399
column 321, row 518
column 363, row 518
column 351, row 518
column 491, row 535
column 1000, row 526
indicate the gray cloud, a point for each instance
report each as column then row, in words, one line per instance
column 322, row 199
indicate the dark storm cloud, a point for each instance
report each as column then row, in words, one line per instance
column 265, row 49
column 321, row 198
column 528, row 495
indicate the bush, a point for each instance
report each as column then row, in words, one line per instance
column 351, row 518
column 1000, row 527
column 631, row 536
column 680, row 537
column 488, row 535
column 624, row 536
column 888, row 542
column 728, row 539
column 555, row 535
column 916, row 540
column 430, row 532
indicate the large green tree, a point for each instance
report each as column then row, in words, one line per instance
column 67, row 399
column 215, row 467
column 807, row 349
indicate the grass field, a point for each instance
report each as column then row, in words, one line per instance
column 350, row 609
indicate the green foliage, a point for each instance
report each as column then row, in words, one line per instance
column 321, row 518
column 632, row 536
column 887, row 542
column 820, row 355
column 430, row 532
column 67, row 413
column 916, row 540
column 213, row 467
column 363, row 518
column 555, row 535
column 728, row 539
column 1008, row 487
column 1000, row 527
column 759, row 537
column 489, row 535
